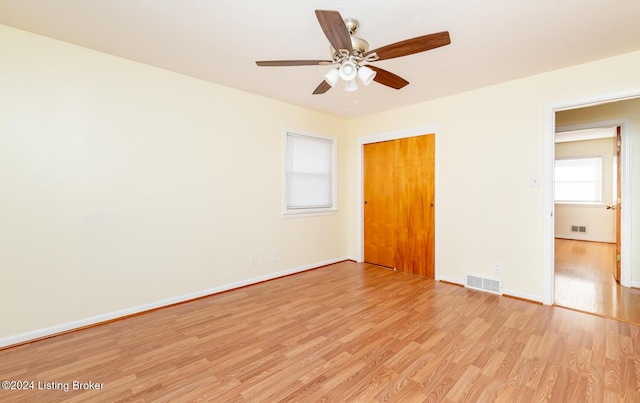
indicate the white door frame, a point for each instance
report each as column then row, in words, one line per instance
column 376, row 138
column 548, row 250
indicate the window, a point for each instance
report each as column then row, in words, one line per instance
column 310, row 174
column 578, row 180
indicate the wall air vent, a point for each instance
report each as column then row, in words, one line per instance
column 482, row 283
column 579, row 229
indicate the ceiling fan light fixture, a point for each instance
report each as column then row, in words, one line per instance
column 332, row 77
column 351, row 85
column 349, row 52
column 348, row 70
column 366, row 75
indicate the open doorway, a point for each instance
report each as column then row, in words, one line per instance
column 584, row 251
column 587, row 201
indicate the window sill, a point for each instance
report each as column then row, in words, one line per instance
column 308, row 213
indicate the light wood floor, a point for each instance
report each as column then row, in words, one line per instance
column 345, row 332
column 584, row 281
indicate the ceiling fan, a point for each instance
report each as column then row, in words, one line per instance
column 352, row 54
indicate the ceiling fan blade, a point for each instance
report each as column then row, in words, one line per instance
column 335, row 29
column 294, row 62
column 322, row 88
column 387, row 78
column 411, row 46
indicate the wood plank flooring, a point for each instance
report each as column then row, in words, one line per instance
column 584, row 281
column 347, row 332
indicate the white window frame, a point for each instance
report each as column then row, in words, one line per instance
column 599, row 183
column 308, row 211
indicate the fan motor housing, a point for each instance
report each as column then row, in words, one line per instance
column 359, row 45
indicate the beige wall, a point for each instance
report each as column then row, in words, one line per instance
column 600, row 222
column 491, row 142
column 629, row 111
column 124, row 185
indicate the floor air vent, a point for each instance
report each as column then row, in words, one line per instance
column 481, row 283
column 579, row 228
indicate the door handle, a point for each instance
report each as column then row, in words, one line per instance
column 611, row 207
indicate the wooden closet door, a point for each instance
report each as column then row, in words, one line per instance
column 379, row 211
column 399, row 187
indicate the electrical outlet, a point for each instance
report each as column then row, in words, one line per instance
column 497, row 268
column 274, row 257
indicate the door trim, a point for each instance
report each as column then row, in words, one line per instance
column 548, row 223
column 385, row 136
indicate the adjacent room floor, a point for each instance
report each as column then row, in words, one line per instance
column 584, row 281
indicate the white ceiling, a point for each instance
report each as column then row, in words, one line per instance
column 218, row 40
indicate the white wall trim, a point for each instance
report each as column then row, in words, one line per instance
column 586, row 238
column 522, row 295
column 548, row 250
column 400, row 134
column 94, row 320
column 452, row 280
column 505, row 292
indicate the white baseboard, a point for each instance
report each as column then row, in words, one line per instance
column 453, row 280
column 635, row 284
column 585, row 238
column 76, row 324
column 506, row 292
column 522, row 295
